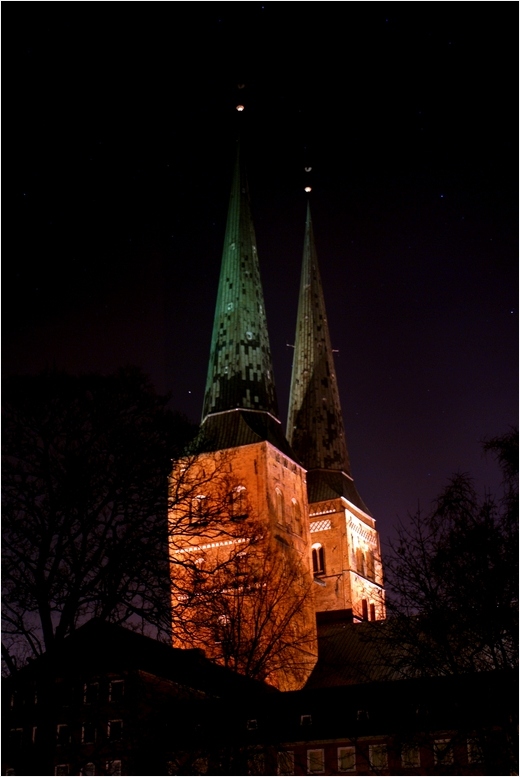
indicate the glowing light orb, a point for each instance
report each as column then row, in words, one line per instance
column 308, row 169
column 308, row 188
column 240, row 107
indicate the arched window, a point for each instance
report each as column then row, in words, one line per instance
column 318, row 559
column 238, row 506
column 297, row 518
column 199, row 511
column 370, row 565
column 360, row 561
column 280, row 508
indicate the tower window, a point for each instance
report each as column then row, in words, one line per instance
column 199, row 510
column 297, row 518
column 372, row 612
column 238, row 503
column 318, row 559
column 364, row 609
column 280, row 507
column 360, row 561
column 370, row 565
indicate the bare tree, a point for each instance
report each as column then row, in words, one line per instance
column 453, row 578
column 248, row 605
column 85, row 466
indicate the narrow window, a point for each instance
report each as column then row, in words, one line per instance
column 199, row 511
column 372, row 612
column 318, row 559
column 34, row 734
column 442, row 751
column 315, row 761
column 115, row 729
column 63, row 734
column 90, row 693
column 378, row 756
column 346, row 759
column 410, row 756
column 370, row 565
column 297, row 515
column 364, row 609
column 280, row 508
column 360, row 561
column 88, row 733
column 116, row 690
column 238, row 503
column 285, row 761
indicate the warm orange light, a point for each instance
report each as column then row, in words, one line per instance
column 240, row 107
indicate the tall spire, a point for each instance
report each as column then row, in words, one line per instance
column 240, row 373
column 315, row 424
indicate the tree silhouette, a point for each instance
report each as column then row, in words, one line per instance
column 85, row 467
column 453, row 577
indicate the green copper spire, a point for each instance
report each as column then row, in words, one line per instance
column 315, row 425
column 240, row 374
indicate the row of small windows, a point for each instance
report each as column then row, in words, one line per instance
column 89, row 733
column 364, row 563
column 201, row 512
column 410, row 757
column 291, row 519
column 63, row 694
column 108, row 767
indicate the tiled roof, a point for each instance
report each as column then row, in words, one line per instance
column 241, row 427
column 329, row 484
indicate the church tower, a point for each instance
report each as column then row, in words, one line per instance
column 345, row 545
column 242, row 445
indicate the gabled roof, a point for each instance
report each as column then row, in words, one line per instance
column 100, row 647
column 241, row 427
column 352, row 654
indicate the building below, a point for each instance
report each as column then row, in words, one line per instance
column 112, row 701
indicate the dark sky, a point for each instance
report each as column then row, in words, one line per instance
column 119, row 131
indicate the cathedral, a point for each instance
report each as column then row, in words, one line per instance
column 317, row 532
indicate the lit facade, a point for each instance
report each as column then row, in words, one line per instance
column 296, row 490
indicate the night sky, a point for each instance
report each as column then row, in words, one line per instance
column 119, row 135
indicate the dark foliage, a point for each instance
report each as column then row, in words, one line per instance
column 85, row 467
column 453, row 577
